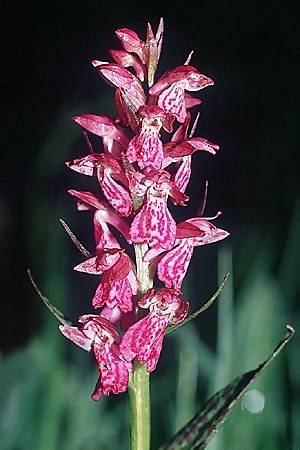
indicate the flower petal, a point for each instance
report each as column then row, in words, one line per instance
column 116, row 194
column 173, row 266
column 86, row 166
column 193, row 80
column 102, row 126
column 183, row 174
column 122, row 79
column 172, row 101
column 154, row 224
column 141, row 340
column 131, row 42
column 77, row 336
column 114, row 294
column 125, row 59
column 104, row 212
column 146, row 148
column 211, row 232
column 189, row 146
column 113, row 371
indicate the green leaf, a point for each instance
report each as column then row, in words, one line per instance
column 196, row 434
column 202, row 309
column 59, row 315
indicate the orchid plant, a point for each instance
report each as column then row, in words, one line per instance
column 144, row 164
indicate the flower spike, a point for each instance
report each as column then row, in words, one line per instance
column 144, row 161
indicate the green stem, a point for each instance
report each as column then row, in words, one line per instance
column 139, row 395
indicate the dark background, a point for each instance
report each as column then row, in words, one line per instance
column 247, row 47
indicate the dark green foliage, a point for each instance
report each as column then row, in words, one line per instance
column 196, row 434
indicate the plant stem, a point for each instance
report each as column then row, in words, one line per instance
column 139, row 408
column 139, row 395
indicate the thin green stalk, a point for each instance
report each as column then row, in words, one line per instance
column 139, row 395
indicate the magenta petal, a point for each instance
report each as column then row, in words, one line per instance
column 178, row 197
column 146, row 148
column 187, row 230
column 126, row 59
column 88, row 198
column 180, row 313
column 104, row 213
column 190, row 101
column 86, row 166
column 115, row 294
column 115, row 288
column 102, row 126
column 172, row 101
column 210, row 232
column 131, row 42
column 189, row 146
column 123, row 79
column 99, row 125
column 190, row 77
column 103, row 236
column 96, row 327
column 183, row 174
column 113, row 315
column 77, row 336
column 113, row 371
column 116, row 194
column 155, row 352
column 154, row 224
column 173, row 265
column 141, row 340
column 89, row 266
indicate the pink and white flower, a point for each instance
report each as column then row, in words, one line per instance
column 98, row 335
column 194, row 232
column 144, row 339
column 118, row 283
column 171, row 87
column 154, row 223
column 146, row 148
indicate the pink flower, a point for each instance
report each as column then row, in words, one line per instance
column 125, row 59
column 110, row 174
column 148, row 52
column 124, row 80
column 146, row 148
column 118, row 283
column 154, row 223
column 173, row 266
column 144, row 339
column 171, row 86
column 98, row 335
column 131, row 42
column 105, row 214
column 113, row 137
column 180, row 151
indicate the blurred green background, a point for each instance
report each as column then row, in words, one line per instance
column 45, row 382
